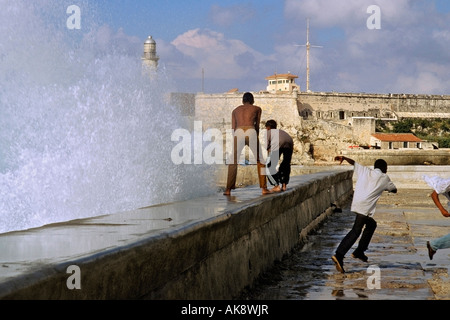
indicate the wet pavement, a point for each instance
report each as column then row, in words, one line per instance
column 398, row 268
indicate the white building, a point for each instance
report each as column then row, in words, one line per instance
column 395, row 141
column 282, row 83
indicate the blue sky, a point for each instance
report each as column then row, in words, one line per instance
column 249, row 20
column 239, row 43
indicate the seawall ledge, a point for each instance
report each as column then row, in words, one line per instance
column 206, row 248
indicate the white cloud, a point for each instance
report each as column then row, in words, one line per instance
column 104, row 40
column 425, row 77
column 441, row 36
column 222, row 58
column 348, row 13
column 422, row 82
column 409, row 54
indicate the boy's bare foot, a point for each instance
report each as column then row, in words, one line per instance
column 266, row 191
column 276, row 189
column 284, row 187
column 227, row 192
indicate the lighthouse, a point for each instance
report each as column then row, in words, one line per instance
column 150, row 58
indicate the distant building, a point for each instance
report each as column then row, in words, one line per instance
column 282, row 83
column 395, row 141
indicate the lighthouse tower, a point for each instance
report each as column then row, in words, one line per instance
column 150, row 58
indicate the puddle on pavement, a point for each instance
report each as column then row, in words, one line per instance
column 308, row 273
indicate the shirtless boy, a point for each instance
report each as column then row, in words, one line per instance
column 245, row 121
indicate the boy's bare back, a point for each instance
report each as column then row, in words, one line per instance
column 246, row 115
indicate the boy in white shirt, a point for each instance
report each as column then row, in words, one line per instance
column 370, row 184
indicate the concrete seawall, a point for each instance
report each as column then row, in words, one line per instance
column 404, row 177
column 206, row 248
column 401, row 157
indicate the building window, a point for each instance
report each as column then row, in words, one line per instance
column 405, row 144
column 390, row 145
column 341, row 115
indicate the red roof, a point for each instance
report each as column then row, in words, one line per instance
column 397, row 137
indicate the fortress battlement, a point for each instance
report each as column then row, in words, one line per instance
column 290, row 107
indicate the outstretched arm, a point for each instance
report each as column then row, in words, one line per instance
column 437, row 202
column 342, row 158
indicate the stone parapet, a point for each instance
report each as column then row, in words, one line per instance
column 206, row 248
column 405, row 157
column 343, row 106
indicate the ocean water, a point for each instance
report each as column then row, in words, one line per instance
column 83, row 130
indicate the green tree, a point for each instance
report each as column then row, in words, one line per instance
column 403, row 126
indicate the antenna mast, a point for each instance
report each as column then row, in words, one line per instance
column 308, row 48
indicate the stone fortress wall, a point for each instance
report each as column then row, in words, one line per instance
column 342, row 106
column 321, row 123
column 215, row 109
column 287, row 107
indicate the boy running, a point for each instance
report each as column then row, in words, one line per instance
column 370, row 184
